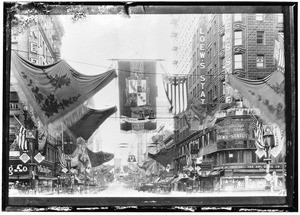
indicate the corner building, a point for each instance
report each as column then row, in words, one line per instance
column 221, row 153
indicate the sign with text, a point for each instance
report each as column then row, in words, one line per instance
column 18, row 168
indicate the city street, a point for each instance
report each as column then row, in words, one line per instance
column 118, row 189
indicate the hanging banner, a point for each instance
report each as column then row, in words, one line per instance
column 137, row 94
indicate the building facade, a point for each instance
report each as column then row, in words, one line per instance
column 221, row 151
column 40, row 44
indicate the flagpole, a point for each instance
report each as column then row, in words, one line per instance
column 62, row 137
column 18, row 120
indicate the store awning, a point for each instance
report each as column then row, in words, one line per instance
column 15, row 177
column 216, row 172
column 46, row 178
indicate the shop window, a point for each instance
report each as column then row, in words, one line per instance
column 241, row 156
column 260, row 61
column 238, row 38
column 260, row 37
column 231, row 157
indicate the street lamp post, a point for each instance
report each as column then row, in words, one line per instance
column 268, row 144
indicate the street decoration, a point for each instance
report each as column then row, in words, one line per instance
column 176, row 91
column 56, row 90
column 24, row 157
column 137, row 95
column 266, row 94
column 90, row 122
column 21, row 139
column 98, row 158
column 164, row 156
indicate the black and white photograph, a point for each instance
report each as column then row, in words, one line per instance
column 149, row 105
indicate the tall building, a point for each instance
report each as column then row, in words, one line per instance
column 207, row 48
column 39, row 44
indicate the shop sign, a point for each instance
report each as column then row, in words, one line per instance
column 268, row 177
column 17, row 169
column 39, row 158
column 232, row 145
column 232, row 131
column 251, row 166
column 43, row 169
column 24, row 157
column 205, row 166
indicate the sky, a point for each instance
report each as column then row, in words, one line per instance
column 88, row 45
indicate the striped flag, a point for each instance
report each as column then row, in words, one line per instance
column 63, row 158
column 21, row 139
column 279, row 52
column 176, row 91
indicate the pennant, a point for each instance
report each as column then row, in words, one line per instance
column 56, row 90
column 176, row 92
column 98, row 158
column 164, row 156
column 90, row 122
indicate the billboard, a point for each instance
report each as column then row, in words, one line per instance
column 137, row 94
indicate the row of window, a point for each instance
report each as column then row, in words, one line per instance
column 238, row 156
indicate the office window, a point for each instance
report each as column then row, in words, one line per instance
column 259, row 17
column 260, row 37
column 238, row 64
column 237, row 17
column 280, row 18
column 260, row 60
column 238, row 38
column 223, row 41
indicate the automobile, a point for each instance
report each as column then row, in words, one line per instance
column 146, row 187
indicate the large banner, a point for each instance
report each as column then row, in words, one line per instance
column 137, row 95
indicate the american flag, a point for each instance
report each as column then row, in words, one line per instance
column 176, row 90
column 21, row 139
column 63, row 158
column 258, row 132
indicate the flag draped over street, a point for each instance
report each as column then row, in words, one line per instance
column 90, row 122
column 164, row 156
column 266, row 94
column 98, row 158
column 56, row 90
column 176, row 92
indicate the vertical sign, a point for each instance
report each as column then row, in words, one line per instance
column 228, row 55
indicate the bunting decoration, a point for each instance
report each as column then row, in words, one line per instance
column 56, row 90
column 164, row 156
column 21, row 139
column 98, row 158
column 176, row 92
column 266, row 94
